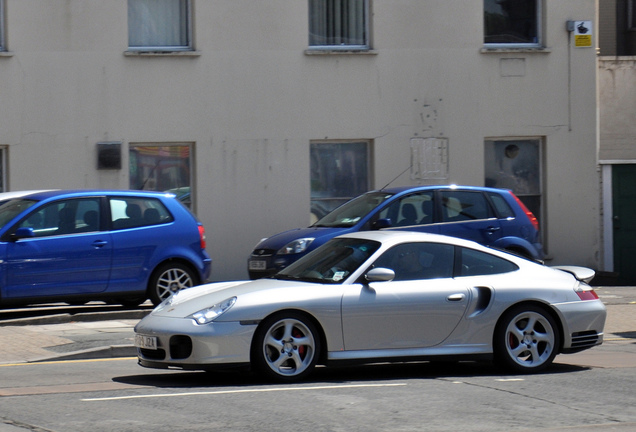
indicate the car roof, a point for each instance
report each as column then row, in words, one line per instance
column 54, row 193
column 391, row 237
column 401, row 189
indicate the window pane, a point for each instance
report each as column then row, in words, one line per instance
column 158, row 24
column 475, row 263
column 136, row 212
column 339, row 172
column 337, row 23
column 64, row 217
column 411, row 261
column 516, row 165
column 464, row 206
column 162, row 168
column 511, row 22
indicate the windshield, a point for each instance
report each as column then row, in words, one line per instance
column 11, row 208
column 333, row 262
column 351, row 212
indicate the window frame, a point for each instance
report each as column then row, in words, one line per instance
column 368, row 155
column 366, row 46
column 631, row 15
column 189, row 46
column 526, row 196
column 3, row 166
column 137, row 147
column 3, row 46
column 512, row 45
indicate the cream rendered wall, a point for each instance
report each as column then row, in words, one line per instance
column 251, row 100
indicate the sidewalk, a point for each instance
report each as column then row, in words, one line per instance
column 111, row 334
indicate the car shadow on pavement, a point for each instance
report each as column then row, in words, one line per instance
column 337, row 374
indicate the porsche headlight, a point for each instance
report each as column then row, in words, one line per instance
column 208, row 315
column 296, row 246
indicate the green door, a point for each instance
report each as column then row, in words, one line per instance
column 624, row 213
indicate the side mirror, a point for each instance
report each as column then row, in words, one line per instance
column 23, row 232
column 381, row 223
column 380, row 274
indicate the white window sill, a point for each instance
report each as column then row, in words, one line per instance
column 6, row 54
column 162, row 53
column 339, row 52
column 503, row 50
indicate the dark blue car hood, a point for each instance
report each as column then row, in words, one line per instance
column 321, row 235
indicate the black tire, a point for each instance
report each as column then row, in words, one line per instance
column 286, row 347
column 526, row 339
column 169, row 278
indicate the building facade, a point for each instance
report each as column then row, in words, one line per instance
column 617, row 132
column 262, row 115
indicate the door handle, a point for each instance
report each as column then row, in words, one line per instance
column 99, row 243
column 492, row 229
column 456, row 297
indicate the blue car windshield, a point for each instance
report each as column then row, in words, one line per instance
column 351, row 212
column 11, row 208
column 332, row 262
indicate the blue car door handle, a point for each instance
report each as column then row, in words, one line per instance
column 99, row 243
column 492, row 229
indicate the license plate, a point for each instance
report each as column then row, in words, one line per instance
column 146, row 342
column 257, row 265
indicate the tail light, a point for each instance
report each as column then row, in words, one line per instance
column 531, row 216
column 587, row 294
column 202, row 236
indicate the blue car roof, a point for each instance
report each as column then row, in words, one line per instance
column 46, row 194
column 400, row 189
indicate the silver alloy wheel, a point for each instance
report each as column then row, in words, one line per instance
column 289, row 347
column 171, row 280
column 530, row 339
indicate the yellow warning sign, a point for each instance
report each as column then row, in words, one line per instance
column 583, row 34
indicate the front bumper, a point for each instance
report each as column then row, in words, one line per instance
column 181, row 343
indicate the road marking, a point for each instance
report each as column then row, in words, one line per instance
column 223, row 392
column 509, row 379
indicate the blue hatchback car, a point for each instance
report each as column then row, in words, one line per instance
column 492, row 217
column 116, row 246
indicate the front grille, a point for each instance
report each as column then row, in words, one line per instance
column 262, row 253
column 180, row 347
column 586, row 339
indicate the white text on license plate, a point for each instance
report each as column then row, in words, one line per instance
column 147, row 342
column 257, row 265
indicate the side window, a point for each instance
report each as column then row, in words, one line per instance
column 503, row 208
column 159, row 25
column 411, row 261
column 339, row 24
column 475, row 263
column 415, row 209
column 64, row 217
column 512, row 23
column 464, row 206
column 135, row 212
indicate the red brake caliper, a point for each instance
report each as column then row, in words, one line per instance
column 301, row 349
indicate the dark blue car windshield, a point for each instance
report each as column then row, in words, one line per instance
column 351, row 212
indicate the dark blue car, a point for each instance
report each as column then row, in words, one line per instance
column 82, row 245
column 492, row 217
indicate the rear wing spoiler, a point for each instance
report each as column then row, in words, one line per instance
column 583, row 274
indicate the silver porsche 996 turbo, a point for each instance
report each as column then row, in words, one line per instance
column 379, row 296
